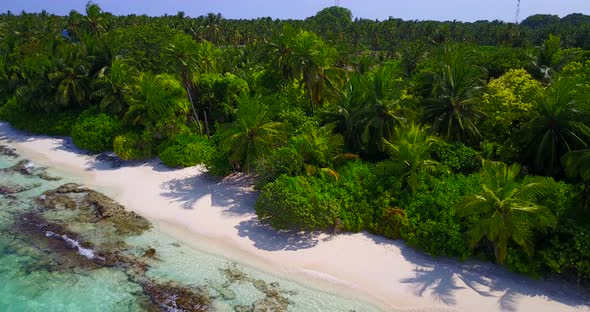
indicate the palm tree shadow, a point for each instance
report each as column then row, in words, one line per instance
column 442, row 278
column 233, row 200
column 507, row 302
column 269, row 239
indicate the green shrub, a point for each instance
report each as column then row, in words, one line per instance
column 360, row 197
column 431, row 221
column 38, row 123
column 95, row 133
column 219, row 164
column 297, row 203
column 566, row 251
column 284, row 160
column 132, row 146
column 460, row 158
column 188, row 151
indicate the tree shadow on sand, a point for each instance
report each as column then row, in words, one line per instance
column 235, row 200
column 269, row 239
column 232, row 199
column 441, row 278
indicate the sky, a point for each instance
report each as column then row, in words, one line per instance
column 461, row 10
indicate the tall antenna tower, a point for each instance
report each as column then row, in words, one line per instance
column 517, row 11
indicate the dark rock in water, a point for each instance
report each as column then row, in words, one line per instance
column 150, row 253
column 227, row 294
column 96, row 208
column 43, row 175
column 126, row 222
column 70, row 188
column 241, row 308
column 274, row 300
column 274, row 304
column 13, row 189
column 172, row 295
column 260, row 285
column 23, row 167
column 233, row 274
column 57, row 201
column 8, row 151
column 54, row 241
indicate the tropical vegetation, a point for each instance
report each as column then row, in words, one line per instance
column 466, row 140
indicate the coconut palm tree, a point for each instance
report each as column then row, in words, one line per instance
column 410, row 150
column 561, row 126
column 183, row 56
column 213, row 26
column 507, row 209
column 577, row 165
column 452, row 109
column 321, row 148
column 304, row 56
column 111, row 85
column 70, row 74
column 208, row 57
column 152, row 98
column 95, row 21
column 252, row 135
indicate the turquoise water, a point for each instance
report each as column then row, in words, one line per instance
column 60, row 259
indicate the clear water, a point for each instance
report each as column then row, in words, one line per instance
column 36, row 277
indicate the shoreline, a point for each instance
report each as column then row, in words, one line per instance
column 218, row 218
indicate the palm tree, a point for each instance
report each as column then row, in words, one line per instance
column 306, row 57
column 208, row 56
column 213, row 27
column 95, row 21
column 577, row 164
column 112, row 84
column 321, row 148
column 369, row 110
column 182, row 54
column 452, row 109
column 410, row 150
column 152, row 98
column 251, row 135
column 376, row 122
column 561, row 126
column 506, row 208
column 141, row 96
column 71, row 75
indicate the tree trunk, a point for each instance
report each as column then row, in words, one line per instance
column 206, row 124
column 310, row 98
column 196, row 116
column 586, row 196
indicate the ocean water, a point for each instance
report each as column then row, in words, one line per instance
column 66, row 258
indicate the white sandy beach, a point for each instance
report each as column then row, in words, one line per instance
column 218, row 217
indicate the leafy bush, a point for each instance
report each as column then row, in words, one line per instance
column 353, row 202
column 219, row 94
column 187, row 151
column 509, row 102
column 132, row 146
column 458, row 157
column 95, row 133
column 59, row 123
column 431, row 221
column 359, row 194
column 297, row 203
column 567, row 251
column 284, row 160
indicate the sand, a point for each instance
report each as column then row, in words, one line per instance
column 218, row 216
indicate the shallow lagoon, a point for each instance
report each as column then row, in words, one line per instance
column 47, row 273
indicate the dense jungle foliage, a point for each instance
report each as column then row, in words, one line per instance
column 467, row 140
